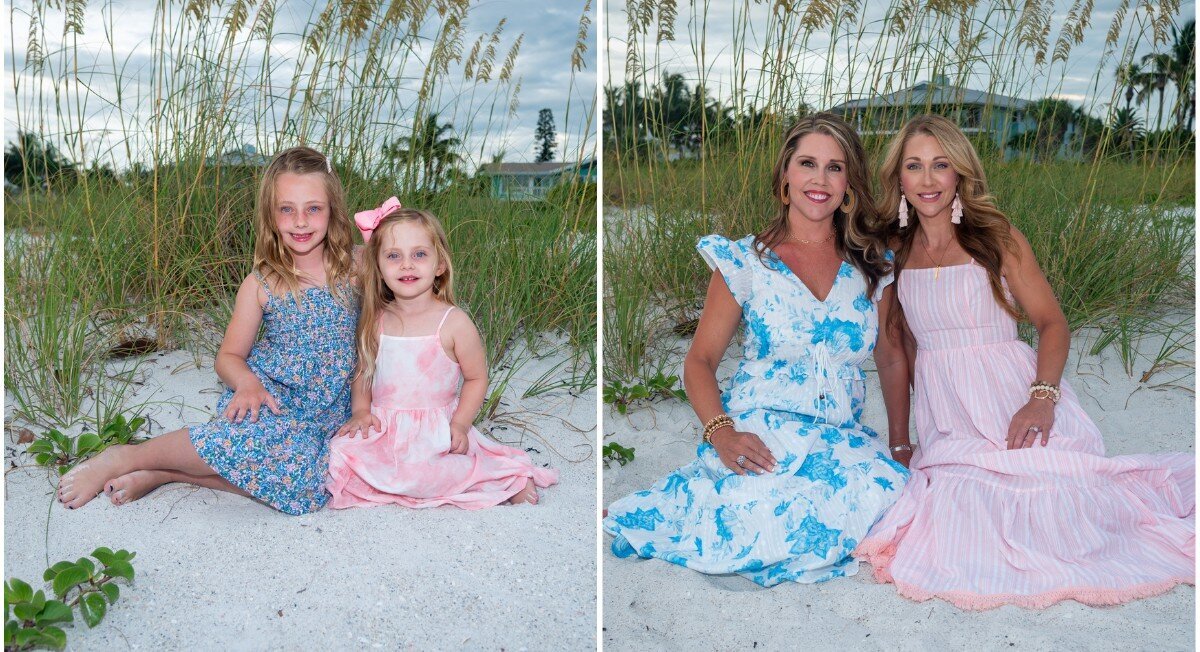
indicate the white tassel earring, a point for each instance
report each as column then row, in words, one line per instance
column 956, row 210
column 902, row 213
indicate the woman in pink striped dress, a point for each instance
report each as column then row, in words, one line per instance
column 1011, row 499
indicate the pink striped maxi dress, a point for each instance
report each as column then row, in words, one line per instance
column 982, row 526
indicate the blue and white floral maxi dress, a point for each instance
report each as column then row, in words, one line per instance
column 800, row 387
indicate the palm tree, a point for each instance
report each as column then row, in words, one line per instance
column 625, row 118
column 1160, row 71
column 431, row 146
column 1145, row 90
column 1088, row 132
column 1053, row 118
column 33, row 161
column 711, row 121
column 1125, row 130
column 1183, row 64
column 1129, row 76
column 672, row 101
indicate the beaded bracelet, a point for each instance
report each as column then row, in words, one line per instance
column 1042, row 389
column 714, row 424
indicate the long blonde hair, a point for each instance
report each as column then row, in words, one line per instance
column 984, row 232
column 272, row 258
column 860, row 235
column 375, row 292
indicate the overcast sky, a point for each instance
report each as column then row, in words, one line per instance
column 1079, row 80
column 543, row 66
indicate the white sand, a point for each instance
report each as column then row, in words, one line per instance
column 650, row 604
column 218, row 571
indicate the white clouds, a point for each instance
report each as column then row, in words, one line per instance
column 739, row 45
column 479, row 112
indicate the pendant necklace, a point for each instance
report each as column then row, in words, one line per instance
column 937, row 270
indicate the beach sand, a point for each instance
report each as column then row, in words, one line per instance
column 650, row 604
column 218, row 571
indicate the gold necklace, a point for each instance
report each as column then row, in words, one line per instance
column 937, row 270
column 803, row 241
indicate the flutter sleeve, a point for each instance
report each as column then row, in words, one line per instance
column 886, row 280
column 732, row 259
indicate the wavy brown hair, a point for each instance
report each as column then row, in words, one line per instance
column 375, row 292
column 860, row 235
column 985, row 232
column 272, row 258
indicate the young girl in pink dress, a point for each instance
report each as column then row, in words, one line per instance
column 1011, row 498
column 409, row 440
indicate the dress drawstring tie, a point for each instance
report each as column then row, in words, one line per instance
column 833, row 401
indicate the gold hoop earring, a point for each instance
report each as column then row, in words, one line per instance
column 783, row 195
column 849, row 202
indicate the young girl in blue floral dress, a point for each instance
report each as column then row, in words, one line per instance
column 787, row 479
column 287, row 392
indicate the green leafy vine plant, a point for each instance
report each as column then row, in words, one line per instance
column 658, row 386
column 620, row 395
column 614, row 452
column 60, row 452
column 31, row 620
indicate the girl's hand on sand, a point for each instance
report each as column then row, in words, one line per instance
column 1031, row 422
column 458, row 438
column 731, row 445
column 360, row 423
column 248, row 400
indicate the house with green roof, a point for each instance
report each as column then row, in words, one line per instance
column 978, row 113
column 532, row 181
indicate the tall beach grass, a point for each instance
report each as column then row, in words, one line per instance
column 1112, row 225
column 149, row 236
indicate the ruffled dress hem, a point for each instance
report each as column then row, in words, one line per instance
column 880, row 557
column 342, row 482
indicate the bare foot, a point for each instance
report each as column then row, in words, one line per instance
column 527, row 495
column 131, row 486
column 82, row 483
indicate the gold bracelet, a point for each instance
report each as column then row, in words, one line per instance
column 714, row 424
column 1043, row 390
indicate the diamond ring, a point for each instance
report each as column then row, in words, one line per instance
column 741, row 460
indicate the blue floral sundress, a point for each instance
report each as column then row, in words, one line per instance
column 305, row 359
column 800, row 387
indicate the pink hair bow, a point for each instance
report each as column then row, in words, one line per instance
column 367, row 221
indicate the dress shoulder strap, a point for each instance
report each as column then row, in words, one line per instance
column 262, row 280
column 438, row 332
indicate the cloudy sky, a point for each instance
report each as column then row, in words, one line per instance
column 736, row 28
column 543, row 67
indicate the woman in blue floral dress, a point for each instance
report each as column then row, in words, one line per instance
column 788, row 480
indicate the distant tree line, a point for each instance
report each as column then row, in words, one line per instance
column 671, row 119
column 1153, row 74
column 33, row 162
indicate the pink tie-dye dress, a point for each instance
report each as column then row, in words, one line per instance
column 982, row 526
column 415, row 393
